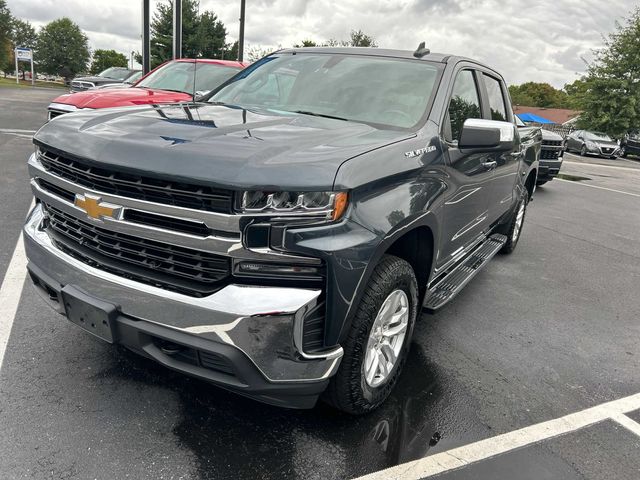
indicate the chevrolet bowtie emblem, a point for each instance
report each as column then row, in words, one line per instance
column 95, row 207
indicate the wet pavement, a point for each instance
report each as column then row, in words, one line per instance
column 547, row 331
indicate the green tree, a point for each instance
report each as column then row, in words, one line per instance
column 575, row 94
column 5, row 38
column 103, row 59
column 610, row 97
column 360, row 39
column 22, row 35
column 210, row 36
column 306, row 43
column 62, row 49
column 162, row 31
column 534, row 94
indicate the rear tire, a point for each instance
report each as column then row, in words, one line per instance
column 515, row 224
column 353, row 389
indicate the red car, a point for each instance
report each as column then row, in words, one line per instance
column 171, row 82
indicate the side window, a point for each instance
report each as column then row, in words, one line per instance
column 464, row 103
column 496, row 98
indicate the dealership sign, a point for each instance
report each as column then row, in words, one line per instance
column 24, row 55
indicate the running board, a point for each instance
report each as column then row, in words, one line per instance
column 447, row 288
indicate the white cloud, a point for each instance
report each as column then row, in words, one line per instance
column 525, row 40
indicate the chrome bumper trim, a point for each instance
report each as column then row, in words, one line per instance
column 261, row 322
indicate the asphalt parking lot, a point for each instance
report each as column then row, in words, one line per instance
column 548, row 334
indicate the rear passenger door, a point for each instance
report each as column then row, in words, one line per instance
column 466, row 201
column 505, row 170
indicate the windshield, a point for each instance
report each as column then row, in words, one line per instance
column 386, row 92
column 134, row 78
column 635, row 135
column 603, row 137
column 115, row 73
column 179, row 76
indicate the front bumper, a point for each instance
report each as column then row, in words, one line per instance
column 549, row 169
column 254, row 331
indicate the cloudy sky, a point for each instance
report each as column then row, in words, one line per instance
column 538, row 40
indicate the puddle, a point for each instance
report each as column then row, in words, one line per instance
column 572, row 178
column 232, row 437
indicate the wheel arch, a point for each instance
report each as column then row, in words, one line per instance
column 413, row 241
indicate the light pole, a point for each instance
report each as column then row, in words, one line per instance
column 241, row 39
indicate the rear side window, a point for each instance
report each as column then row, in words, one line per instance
column 496, row 98
column 464, row 103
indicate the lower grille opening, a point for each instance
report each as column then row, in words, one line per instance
column 192, row 356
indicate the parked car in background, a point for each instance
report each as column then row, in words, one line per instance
column 591, row 143
column 630, row 144
column 550, row 153
column 129, row 82
column 174, row 81
column 109, row 76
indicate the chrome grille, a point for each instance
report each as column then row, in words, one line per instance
column 168, row 192
column 185, row 270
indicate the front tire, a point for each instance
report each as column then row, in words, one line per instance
column 623, row 154
column 583, row 151
column 515, row 224
column 377, row 345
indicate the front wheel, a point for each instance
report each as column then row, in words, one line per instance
column 515, row 224
column 378, row 343
column 623, row 153
column 583, row 151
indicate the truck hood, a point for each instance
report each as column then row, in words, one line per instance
column 121, row 97
column 223, row 146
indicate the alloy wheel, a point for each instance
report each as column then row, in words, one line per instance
column 386, row 338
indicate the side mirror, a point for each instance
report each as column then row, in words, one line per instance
column 487, row 135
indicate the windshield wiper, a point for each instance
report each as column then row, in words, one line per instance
column 323, row 115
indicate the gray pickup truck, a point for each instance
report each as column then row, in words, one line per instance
column 280, row 237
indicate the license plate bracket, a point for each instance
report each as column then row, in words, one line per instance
column 89, row 313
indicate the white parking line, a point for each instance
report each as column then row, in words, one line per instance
column 16, row 130
column 627, row 423
column 617, row 167
column 598, row 187
column 475, row 452
column 10, row 293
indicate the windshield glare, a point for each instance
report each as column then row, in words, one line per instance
column 115, row 73
column 379, row 91
column 179, row 76
column 603, row 137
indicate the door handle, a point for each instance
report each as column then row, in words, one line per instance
column 490, row 165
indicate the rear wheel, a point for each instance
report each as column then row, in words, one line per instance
column 515, row 224
column 377, row 345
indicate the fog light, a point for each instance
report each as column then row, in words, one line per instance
column 274, row 269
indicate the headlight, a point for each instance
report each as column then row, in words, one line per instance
column 591, row 145
column 331, row 204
